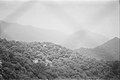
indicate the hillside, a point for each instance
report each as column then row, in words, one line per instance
column 15, row 31
column 84, row 38
column 108, row 51
column 111, row 48
column 45, row 60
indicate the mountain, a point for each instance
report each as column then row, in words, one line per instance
column 107, row 51
column 15, row 31
column 84, row 38
column 110, row 49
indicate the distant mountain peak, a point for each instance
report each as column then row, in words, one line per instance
column 108, row 51
column 112, row 42
column 110, row 48
column 115, row 38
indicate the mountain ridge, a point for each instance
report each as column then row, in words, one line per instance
column 107, row 51
column 15, row 31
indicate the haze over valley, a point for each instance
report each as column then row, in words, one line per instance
column 72, row 24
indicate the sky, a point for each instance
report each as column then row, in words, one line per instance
column 67, row 16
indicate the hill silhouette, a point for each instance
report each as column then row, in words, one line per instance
column 82, row 38
column 107, row 51
column 15, row 31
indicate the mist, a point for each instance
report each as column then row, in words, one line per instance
column 73, row 23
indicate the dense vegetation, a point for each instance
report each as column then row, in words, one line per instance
column 35, row 60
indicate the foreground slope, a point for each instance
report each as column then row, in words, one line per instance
column 45, row 60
